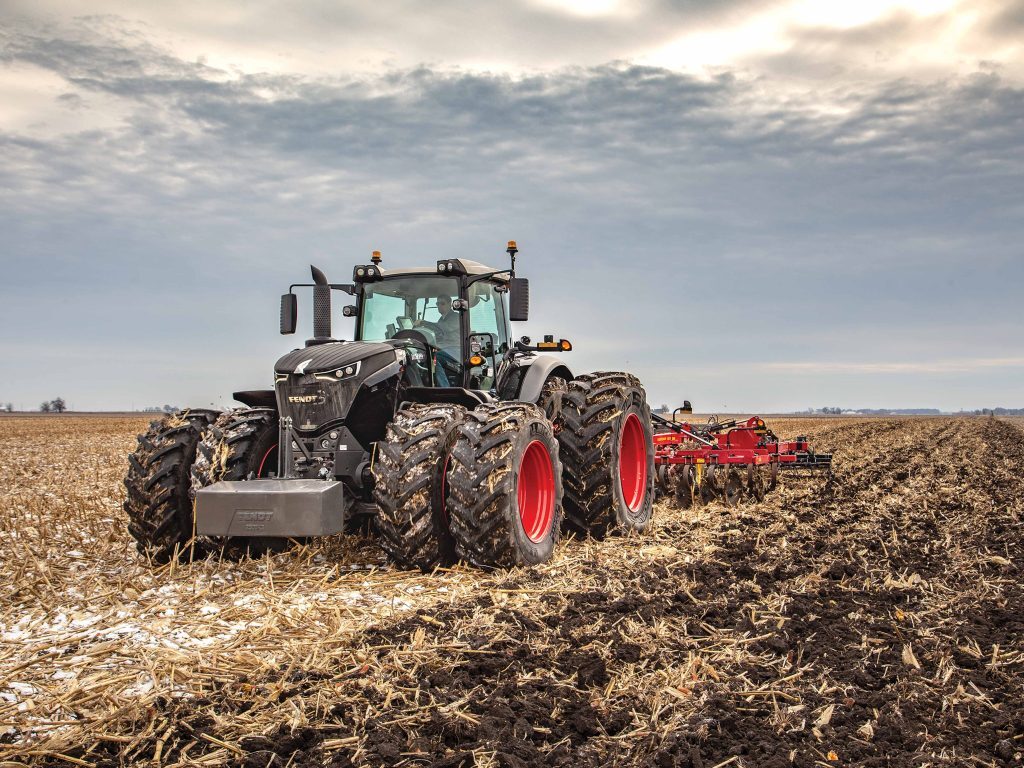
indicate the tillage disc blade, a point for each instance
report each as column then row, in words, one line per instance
column 733, row 488
column 757, row 483
column 684, row 486
column 713, row 484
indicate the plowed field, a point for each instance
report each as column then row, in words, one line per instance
column 874, row 620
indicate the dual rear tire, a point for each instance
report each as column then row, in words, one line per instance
column 411, row 469
column 506, row 486
column 481, row 485
column 608, row 453
column 182, row 453
column 241, row 444
column 494, row 485
column 158, row 484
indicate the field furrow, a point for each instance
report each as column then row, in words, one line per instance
column 872, row 619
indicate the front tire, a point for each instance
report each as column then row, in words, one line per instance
column 241, row 445
column 608, row 451
column 506, row 486
column 158, row 502
column 411, row 469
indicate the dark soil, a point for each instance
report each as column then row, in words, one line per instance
column 874, row 620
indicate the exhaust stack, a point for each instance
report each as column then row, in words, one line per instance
column 321, row 308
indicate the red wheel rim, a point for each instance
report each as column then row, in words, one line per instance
column 263, row 463
column 536, row 492
column 633, row 463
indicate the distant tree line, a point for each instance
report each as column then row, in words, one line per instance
column 993, row 412
column 57, row 405
column 835, row 411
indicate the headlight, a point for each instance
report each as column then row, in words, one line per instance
column 341, row 373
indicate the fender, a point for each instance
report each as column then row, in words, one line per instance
column 539, row 369
column 470, row 398
column 257, row 398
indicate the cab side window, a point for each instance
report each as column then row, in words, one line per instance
column 487, row 314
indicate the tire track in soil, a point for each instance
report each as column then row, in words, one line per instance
column 811, row 600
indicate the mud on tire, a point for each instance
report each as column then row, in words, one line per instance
column 506, row 486
column 158, row 503
column 240, row 445
column 608, row 454
column 410, row 469
column 551, row 399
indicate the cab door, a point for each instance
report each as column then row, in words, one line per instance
column 487, row 315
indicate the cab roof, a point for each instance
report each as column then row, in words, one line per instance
column 472, row 268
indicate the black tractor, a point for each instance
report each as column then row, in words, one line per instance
column 433, row 426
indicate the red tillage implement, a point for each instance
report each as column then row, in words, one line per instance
column 726, row 460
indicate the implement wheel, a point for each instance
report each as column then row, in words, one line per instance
column 158, row 503
column 505, row 476
column 411, row 470
column 608, row 454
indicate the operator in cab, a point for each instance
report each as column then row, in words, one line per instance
column 448, row 371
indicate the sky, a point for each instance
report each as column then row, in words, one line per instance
column 756, row 205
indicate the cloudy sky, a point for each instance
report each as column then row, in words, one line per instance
column 753, row 204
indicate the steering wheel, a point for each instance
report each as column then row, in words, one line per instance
column 429, row 324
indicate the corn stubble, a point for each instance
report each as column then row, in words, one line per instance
column 872, row 620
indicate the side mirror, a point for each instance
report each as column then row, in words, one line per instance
column 482, row 344
column 289, row 313
column 349, row 311
column 518, row 299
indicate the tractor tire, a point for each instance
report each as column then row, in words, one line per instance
column 410, row 470
column 550, row 400
column 241, row 445
column 158, row 502
column 506, row 486
column 608, row 454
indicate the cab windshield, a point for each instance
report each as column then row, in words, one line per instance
column 420, row 302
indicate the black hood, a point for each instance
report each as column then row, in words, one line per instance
column 321, row 358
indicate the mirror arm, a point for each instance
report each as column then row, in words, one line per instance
column 478, row 278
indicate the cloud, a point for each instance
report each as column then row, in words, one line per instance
column 664, row 216
column 876, row 39
column 964, row 365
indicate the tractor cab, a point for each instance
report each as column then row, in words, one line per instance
column 443, row 333
column 452, row 323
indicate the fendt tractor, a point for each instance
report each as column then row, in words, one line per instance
column 433, row 426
